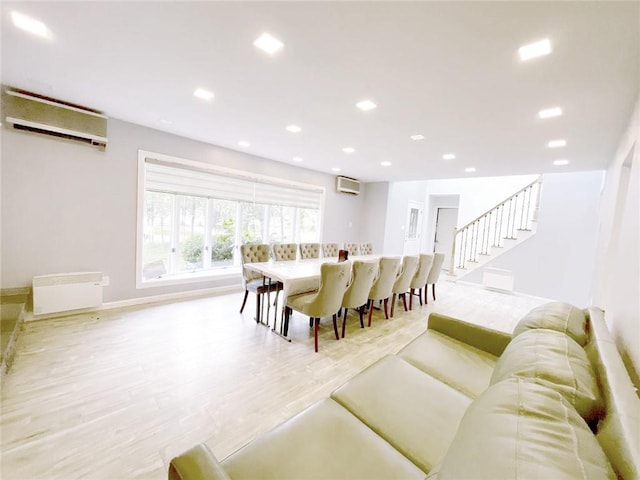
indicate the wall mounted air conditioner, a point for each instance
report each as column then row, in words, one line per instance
column 347, row 185
column 37, row 114
column 66, row 291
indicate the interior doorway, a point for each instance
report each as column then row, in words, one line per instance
column 446, row 223
column 413, row 229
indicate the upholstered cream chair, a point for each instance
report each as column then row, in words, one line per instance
column 420, row 278
column 401, row 285
column 309, row 250
column 381, row 288
column 330, row 250
column 284, row 252
column 252, row 281
column 434, row 275
column 363, row 274
column 366, row 248
column 352, row 248
column 334, row 278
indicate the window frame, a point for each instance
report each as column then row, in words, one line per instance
column 223, row 273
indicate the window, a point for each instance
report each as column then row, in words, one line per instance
column 193, row 216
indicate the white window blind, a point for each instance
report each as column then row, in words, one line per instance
column 167, row 177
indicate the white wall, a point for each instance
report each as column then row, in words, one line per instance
column 374, row 215
column 558, row 262
column 617, row 284
column 68, row 207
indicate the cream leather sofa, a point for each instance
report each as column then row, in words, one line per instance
column 462, row 402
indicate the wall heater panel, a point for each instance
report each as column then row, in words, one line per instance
column 66, row 291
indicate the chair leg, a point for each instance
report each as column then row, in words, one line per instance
column 404, row 300
column 246, row 294
column 335, row 326
column 393, row 305
column 420, row 296
column 344, row 321
column 433, row 290
column 315, row 333
column 310, row 322
column 287, row 315
column 411, row 294
column 386, row 315
column 361, row 311
column 370, row 311
column 258, row 316
column 426, row 291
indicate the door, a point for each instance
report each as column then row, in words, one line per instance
column 413, row 229
column 446, row 222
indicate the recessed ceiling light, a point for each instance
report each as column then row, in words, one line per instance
column 268, row 43
column 335, row 169
column 562, row 161
column 348, row 149
column 536, row 49
column 31, row 25
column 417, row 137
column 366, row 105
column 470, row 170
column 297, row 159
column 164, row 121
column 448, row 156
column 557, row 143
column 550, row 112
column 385, row 164
column 244, row 144
column 203, row 94
column 293, row 129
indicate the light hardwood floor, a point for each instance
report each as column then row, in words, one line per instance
column 117, row 394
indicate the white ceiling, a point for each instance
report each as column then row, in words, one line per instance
column 446, row 70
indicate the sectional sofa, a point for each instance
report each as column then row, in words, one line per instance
column 552, row 400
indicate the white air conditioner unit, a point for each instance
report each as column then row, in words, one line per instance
column 34, row 113
column 347, row 185
column 66, row 291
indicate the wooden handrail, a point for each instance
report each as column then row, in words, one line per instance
column 538, row 180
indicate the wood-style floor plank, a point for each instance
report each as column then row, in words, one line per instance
column 116, row 394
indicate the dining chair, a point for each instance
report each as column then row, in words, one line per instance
column 334, row 278
column 401, row 285
column 381, row 288
column 330, row 250
column 309, row 250
column 420, row 278
column 284, row 252
column 253, row 281
column 352, row 248
column 434, row 275
column 363, row 274
column 366, row 248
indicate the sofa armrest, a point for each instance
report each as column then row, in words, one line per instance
column 486, row 339
column 198, row 463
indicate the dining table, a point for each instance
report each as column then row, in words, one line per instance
column 296, row 277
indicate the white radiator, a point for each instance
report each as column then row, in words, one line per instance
column 66, row 291
column 498, row 279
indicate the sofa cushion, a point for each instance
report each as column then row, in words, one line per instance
column 554, row 359
column 558, row 316
column 521, row 429
column 323, row 441
column 414, row 412
column 455, row 363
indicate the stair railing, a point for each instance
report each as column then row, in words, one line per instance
column 493, row 227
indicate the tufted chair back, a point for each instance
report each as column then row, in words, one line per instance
column 434, row 273
column 381, row 288
column 424, row 266
column 366, row 248
column 333, row 282
column 352, row 248
column 363, row 276
column 330, row 250
column 309, row 250
column 252, row 254
column 284, row 252
column 409, row 267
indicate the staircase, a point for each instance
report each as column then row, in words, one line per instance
column 496, row 231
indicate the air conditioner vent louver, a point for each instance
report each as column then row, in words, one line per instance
column 27, row 112
column 347, row 185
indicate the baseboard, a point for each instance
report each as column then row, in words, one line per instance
column 132, row 302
